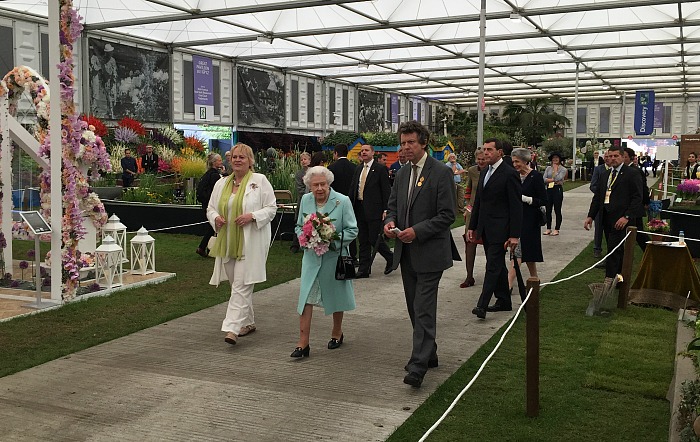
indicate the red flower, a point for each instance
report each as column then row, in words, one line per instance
column 133, row 125
column 100, row 128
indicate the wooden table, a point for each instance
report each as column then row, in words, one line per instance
column 670, row 268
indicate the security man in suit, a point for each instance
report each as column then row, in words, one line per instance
column 421, row 206
column 619, row 197
column 497, row 215
column 343, row 172
column 369, row 193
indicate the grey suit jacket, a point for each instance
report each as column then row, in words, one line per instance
column 431, row 214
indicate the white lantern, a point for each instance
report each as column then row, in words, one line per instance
column 143, row 253
column 114, row 228
column 108, row 263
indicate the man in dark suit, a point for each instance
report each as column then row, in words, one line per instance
column 497, row 215
column 149, row 161
column 619, row 197
column 343, row 171
column 598, row 172
column 421, row 207
column 629, row 158
column 369, row 193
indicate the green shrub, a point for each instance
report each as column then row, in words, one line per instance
column 340, row 138
column 381, row 138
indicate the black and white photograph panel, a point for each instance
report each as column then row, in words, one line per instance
column 260, row 98
column 371, row 111
column 128, row 81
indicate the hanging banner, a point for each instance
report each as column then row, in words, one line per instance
column 644, row 112
column 394, row 109
column 203, row 88
column 658, row 114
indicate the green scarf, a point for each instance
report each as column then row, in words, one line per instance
column 229, row 240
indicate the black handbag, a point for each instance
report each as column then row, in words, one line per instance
column 345, row 267
column 543, row 216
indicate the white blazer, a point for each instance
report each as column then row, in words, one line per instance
column 258, row 199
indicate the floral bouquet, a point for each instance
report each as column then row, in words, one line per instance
column 318, row 233
column 657, row 226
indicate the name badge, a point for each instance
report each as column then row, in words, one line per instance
column 607, row 197
column 550, row 185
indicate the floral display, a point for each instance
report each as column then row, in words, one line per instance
column 126, row 135
column 657, row 226
column 318, row 233
column 86, row 259
column 194, row 145
column 689, row 189
column 133, row 125
column 100, row 128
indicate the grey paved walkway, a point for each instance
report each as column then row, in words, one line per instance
column 180, row 381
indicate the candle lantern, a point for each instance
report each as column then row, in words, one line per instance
column 143, row 253
column 108, row 263
column 114, row 228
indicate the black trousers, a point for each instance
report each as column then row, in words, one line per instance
column 369, row 230
column 205, row 239
column 496, row 277
column 420, row 290
column 555, row 198
column 613, row 237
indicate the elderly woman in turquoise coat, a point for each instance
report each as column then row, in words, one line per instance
column 318, row 284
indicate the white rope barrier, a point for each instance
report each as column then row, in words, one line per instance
column 679, row 213
column 173, row 227
column 478, row 372
column 505, row 333
column 670, row 236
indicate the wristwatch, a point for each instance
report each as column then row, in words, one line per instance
column 627, row 217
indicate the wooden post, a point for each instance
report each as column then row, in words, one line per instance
column 627, row 261
column 532, row 361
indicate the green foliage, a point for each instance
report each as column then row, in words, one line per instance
column 340, row 137
column 192, row 167
column 381, row 138
column 279, row 171
column 688, row 408
column 149, row 190
column 106, row 180
column 559, row 144
column 536, row 118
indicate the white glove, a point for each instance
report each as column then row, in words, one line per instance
column 527, row 199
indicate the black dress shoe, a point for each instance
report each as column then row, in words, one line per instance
column 413, row 379
column 294, row 248
column 479, row 312
column 499, row 308
column 202, row 252
column 335, row 343
column 301, row 352
column 361, row 275
column 388, row 269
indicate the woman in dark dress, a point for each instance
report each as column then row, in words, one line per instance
column 204, row 189
column 534, row 196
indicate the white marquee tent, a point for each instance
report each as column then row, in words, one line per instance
column 429, row 48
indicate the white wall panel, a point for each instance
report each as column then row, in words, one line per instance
column 178, row 99
column 226, row 92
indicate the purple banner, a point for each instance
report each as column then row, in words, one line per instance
column 203, row 81
column 658, row 114
column 394, row 109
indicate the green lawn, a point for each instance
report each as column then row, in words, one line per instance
column 33, row 340
column 601, row 378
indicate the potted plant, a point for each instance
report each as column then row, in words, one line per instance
column 658, row 226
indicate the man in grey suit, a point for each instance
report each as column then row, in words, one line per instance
column 598, row 171
column 419, row 215
column 496, row 219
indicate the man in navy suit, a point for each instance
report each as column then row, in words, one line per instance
column 497, row 215
column 369, row 193
column 343, row 171
column 619, row 197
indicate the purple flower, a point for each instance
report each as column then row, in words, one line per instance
column 94, row 287
column 14, row 283
column 23, row 265
column 31, row 254
column 46, row 282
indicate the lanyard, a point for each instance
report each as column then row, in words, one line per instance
column 615, row 179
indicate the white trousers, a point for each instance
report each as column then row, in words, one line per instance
column 240, row 306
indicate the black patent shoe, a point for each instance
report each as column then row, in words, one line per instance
column 301, row 352
column 335, row 343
